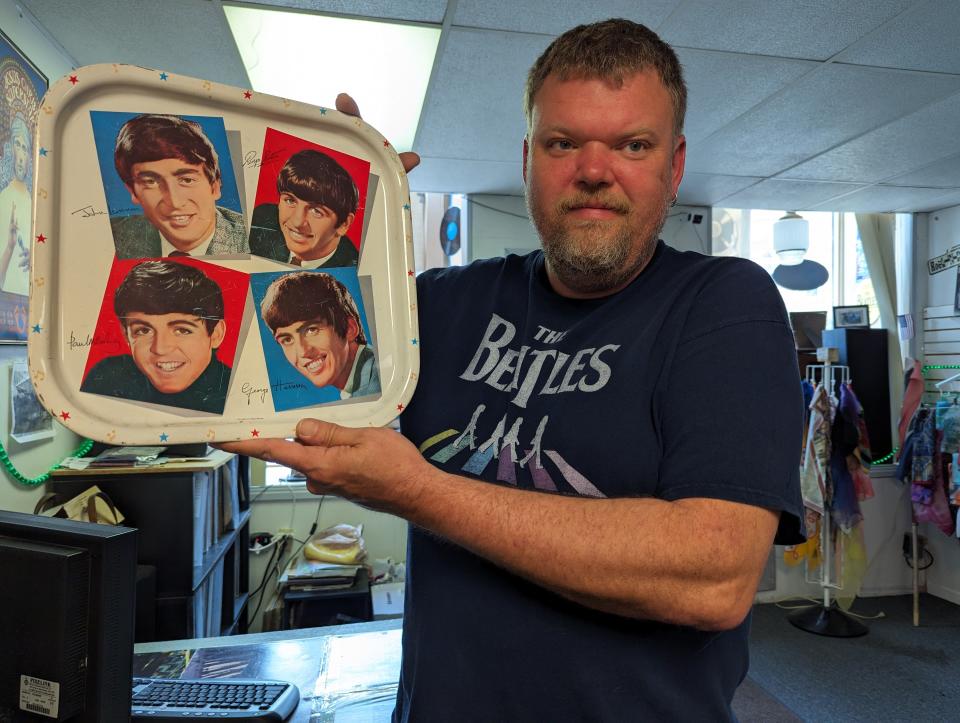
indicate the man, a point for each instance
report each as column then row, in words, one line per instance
column 318, row 202
column 316, row 323
column 589, row 545
column 15, row 207
column 172, row 171
column 172, row 318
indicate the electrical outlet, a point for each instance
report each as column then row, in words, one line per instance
column 908, row 544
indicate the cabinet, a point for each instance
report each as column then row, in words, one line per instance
column 865, row 352
column 193, row 519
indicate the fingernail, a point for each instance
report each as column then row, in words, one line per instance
column 307, row 427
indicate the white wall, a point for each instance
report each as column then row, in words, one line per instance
column 942, row 232
column 499, row 224
column 34, row 458
column 385, row 536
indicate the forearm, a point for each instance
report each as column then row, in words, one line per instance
column 693, row 562
column 641, row 557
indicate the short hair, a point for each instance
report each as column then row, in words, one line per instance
column 155, row 137
column 315, row 177
column 609, row 50
column 307, row 295
column 168, row 287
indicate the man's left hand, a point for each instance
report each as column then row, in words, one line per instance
column 377, row 468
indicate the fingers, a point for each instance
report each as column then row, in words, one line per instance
column 346, row 104
column 410, row 160
column 315, row 433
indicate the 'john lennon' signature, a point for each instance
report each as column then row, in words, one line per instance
column 88, row 212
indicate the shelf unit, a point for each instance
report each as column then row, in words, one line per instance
column 193, row 518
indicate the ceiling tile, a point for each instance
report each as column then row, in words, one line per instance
column 203, row 46
column 814, row 29
column 905, row 145
column 818, row 112
column 700, row 189
column 925, row 38
column 943, row 174
column 717, row 93
column 429, row 11
column 553, row 17
column 881, row 199
column 474, row 105
column 941, row 202
column 787, row 195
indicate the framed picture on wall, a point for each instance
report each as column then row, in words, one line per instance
column 851, row 317
column 22, row 86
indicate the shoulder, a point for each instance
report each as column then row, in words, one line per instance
column 479, row 273
column 134, row 236
column 721, row 290
column 109, row 374
column 231, row 222
column 265, row 215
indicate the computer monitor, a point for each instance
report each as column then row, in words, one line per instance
column 66, row 619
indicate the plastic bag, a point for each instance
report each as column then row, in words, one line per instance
column 342, row 544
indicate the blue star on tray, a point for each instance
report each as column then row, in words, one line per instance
column 164, row 437
column 406, row 207
column 163, row 76
column 323, row 111
column 36, row 328
column 43, row 151
column 413, row 341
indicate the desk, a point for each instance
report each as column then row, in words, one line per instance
column 344, row 672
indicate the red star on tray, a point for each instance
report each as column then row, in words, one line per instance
column 254, row 432
column 41, row 238
column 386, row 144
column 64, row 415
column 399, row 407
column 74, row 80
column 247, row 94
column 410, row 272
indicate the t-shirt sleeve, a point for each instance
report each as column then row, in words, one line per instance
column 732, row 410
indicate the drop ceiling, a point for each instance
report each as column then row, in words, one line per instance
column 814, row 105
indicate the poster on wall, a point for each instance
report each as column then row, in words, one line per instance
column 29, row 420
column 21, row 88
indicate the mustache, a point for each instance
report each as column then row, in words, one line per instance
column 582, row 200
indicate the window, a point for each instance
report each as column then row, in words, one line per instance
column 834, row 244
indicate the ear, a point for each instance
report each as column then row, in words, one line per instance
column 347, row 223
column 679, row 160
column 216, row 336
column 526, row 151
column 216, row 190
column 353, row 329
column 133, row 196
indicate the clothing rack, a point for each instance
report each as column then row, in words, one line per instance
column 827, row 618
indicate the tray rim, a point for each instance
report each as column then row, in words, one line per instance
column 186, row 429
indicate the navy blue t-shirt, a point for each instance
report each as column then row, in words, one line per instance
column 684, row 384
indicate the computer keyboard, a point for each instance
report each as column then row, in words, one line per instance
column 206, row 699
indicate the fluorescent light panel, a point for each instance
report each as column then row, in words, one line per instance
column 311, row 58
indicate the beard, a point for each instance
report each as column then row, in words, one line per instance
column 591, row 257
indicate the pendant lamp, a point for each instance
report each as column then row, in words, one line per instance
column 791, row 238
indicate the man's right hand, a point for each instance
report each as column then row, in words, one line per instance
column 346, row 104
